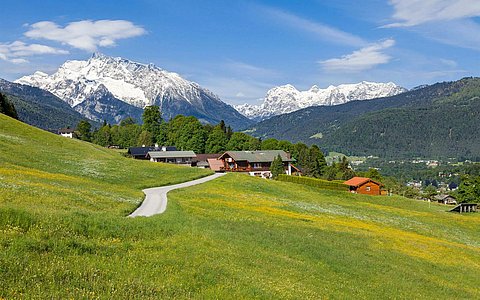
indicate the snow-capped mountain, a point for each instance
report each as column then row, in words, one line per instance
column 286, row 98
column 111, row 84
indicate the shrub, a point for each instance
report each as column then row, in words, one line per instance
column 323, row 184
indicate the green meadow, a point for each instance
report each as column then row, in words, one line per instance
column 64, row 233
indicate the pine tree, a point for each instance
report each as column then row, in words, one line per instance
column 276, row 168
column 7, row 107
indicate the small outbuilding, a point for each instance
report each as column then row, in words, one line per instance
column 364, row 185
column 446, row 199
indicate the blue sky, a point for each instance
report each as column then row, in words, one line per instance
column 240, row 49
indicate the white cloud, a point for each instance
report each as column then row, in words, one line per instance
column 325, row 32
column 86, row 35
column 416, row 12
column 16, row 52
column 360, row 60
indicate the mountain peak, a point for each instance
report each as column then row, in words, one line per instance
column 286, row 98
column 134, row 84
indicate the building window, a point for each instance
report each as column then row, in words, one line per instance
column 257, row 165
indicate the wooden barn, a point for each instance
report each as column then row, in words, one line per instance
column 363, row 185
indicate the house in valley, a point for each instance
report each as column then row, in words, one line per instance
column 364, row 185
column 256, row 163
column 67, row 132
column 172, row 157
column 446, row 199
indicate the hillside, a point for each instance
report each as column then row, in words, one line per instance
column 40, row 108
column 65, row 235
column 438, row 120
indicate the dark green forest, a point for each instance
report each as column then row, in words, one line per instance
column 40, row 108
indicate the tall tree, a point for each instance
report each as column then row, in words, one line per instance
column 469, row 189
column 84, row 128
column 317, row 163
column 217, row 141
column 145, row 138
column 186, row 133
column 152, row 120
column 103, row 136
column 270, row 144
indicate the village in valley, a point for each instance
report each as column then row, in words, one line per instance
column 240, row 149
column 259, row 163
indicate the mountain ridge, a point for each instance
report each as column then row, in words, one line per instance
column 135, row 84
column 286, row 98
column 40, row 108
column 380, row 126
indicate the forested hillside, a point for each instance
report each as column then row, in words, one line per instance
column 38, row 107
column 434, row 121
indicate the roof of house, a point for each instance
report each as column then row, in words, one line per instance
column 140, row 151
column 66, row 130
column 443, row 197
column 358, row 181
column 257, row 156
column 203, row 164
column 204, row 157
column 171, row 154
column 215, row 164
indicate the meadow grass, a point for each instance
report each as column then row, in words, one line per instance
column 64, row 234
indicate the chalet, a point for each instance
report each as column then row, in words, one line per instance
column 256, row 163
column 446, row 199
column 67, row 132
column 141, row 152
column 172, row 157
column 363, row 185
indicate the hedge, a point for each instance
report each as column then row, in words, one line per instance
column 324, row 184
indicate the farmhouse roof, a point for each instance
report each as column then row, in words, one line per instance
column 257, row 156
column 215, row 164
column 358, row 181
column 140, row 151
column 66, row 130
column 171, row 154
column 443, row 197
column 204, row 157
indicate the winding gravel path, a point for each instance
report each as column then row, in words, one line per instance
column 156, row 198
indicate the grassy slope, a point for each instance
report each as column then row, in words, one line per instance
column 234, row 237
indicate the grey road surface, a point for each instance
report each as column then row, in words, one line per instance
column 156, row 198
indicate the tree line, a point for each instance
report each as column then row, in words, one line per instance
column 188, row 133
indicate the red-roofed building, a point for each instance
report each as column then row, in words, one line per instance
column 363, row 185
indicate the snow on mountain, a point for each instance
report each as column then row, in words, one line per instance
column 134, row 84
column 286, row 98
